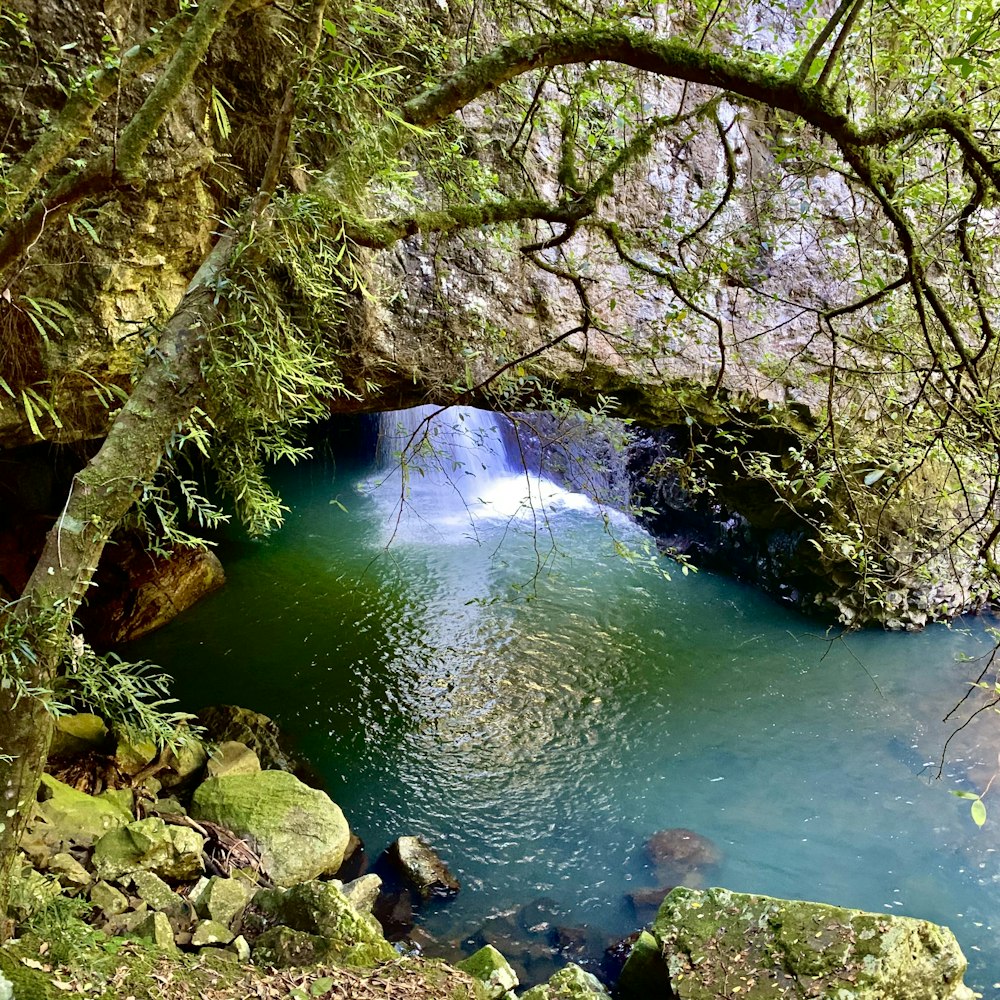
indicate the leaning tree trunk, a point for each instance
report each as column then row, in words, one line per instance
column 100, row 496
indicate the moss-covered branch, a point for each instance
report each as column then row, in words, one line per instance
column 120, row 164
column 73, row 123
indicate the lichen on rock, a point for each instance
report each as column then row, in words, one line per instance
column 714, row 941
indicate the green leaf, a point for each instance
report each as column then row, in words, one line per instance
column 965, row 795
column 978, row 812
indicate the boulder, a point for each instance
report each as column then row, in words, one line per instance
column 570, row 983
column 172, row 852
column 184, row 763
column 779, row 948
column 69, row 872
column 156, row 928
column 156, row 893
column 76, row 734
column 419, row 865
column 109, row 900
column 139, row 592
column 232, row 758
column 333, row 929
column 299, row 832
column 492, row 970
column 222, row 900
column 225, row 723
column 281, row 947
column 71, row 816
column 210, row 932
column 362, row 892
column 240, row 948
column 132, row 754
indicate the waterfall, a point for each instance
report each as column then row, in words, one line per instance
column 443, row 473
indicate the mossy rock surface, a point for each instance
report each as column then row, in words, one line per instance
column 322, row 912
column 70, row 815
column 173, row 852
column 714, row 940
column 571, row 983
column 300, row 833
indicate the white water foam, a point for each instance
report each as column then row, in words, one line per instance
column 445, row 474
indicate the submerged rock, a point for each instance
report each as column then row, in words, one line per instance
column 778, row 948
column 298, row 830
column 419, row 865
column 678, row 851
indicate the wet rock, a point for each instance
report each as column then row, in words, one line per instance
column 232, row 758
column 298, row 830
column 645, row 901
column 394, row 911
column 419, row 865
column 616, row 955
column 492, row 970
column 138, row 592
column 570, row 983
column 779, row 948
column 540, row 915
column 355, row 863
column 678, row 851
column 172, row 852
column 644, row 972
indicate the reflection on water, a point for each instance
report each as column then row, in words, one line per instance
column 538, row 737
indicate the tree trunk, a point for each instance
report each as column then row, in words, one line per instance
column 100, row 496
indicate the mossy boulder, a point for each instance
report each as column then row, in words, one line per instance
column 299, row 832
column 172, row 852
column 71, row 816
column 77, row 733
column 713, row 940
column 570, row 983
column 225, row 723
column 492, row 970
column 326, row 925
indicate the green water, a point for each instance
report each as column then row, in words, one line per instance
column 538, row 737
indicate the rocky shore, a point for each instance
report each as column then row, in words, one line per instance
column 213, row 870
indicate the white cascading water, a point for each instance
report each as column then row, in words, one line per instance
column 443, row 472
